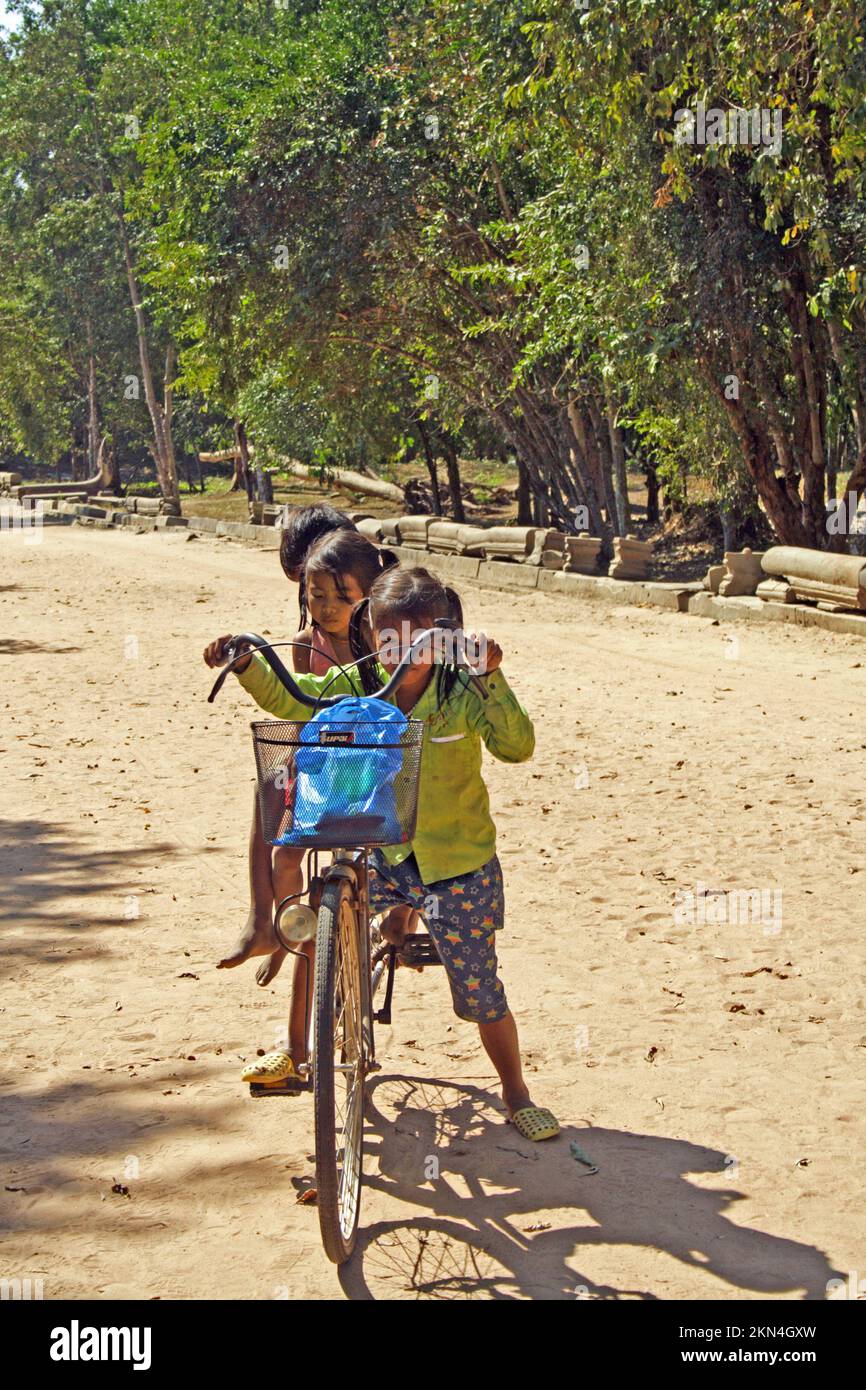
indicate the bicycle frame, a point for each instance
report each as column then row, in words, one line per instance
column 345, row 865
column 345, row 862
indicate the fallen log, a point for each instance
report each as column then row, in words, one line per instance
column 221, row 456
column 348, row 481
column 342, row 478
column 84, row 488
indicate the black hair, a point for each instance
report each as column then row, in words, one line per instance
column 302, row 528
column 348, row 552
column 414, row 595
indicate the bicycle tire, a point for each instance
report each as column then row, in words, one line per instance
column 342, row 971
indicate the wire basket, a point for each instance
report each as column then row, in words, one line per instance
column 342, row 785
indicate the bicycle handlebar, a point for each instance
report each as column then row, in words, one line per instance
column 250, row 639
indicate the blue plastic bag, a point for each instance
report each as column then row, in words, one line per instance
column 346, row 766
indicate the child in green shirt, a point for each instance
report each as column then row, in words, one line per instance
column 449, row 871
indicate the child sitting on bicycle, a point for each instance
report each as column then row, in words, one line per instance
column 345, row 569
column 454, row 878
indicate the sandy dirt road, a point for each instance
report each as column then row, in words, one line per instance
column 713, row 1069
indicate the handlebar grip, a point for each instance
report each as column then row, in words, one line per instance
column 251, row 639
column 218, row 684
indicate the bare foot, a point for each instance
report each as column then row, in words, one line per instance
column 398, row 925
column 256, row 939
column 270, row 968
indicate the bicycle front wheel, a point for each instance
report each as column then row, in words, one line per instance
column 341, row 1012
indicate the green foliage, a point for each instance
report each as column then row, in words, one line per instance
column 361, row 219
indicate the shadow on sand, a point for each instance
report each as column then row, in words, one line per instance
column 13, row 646
column 42, row 867
column 478, row 1241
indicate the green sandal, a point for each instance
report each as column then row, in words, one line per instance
column 535, row 1123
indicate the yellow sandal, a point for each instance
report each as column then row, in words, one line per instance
column 535, row 1123
column 274, row 1066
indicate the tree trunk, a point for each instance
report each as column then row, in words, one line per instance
column 524, row 495
column 105, row 468
column 431, row 465
column 160, row 418
column 598, row 430
column 652, row 493
column 454, row 488
column 585, row 439
column 782, row 509
column 264, row 487
column 168, row 422
column 598, row 526
column 620, row 477
column 835, row 453
column 814, row 514
column 92, row 410
column 241, row 459
column 114, row 464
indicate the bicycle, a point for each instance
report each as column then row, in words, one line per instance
column 350, row 968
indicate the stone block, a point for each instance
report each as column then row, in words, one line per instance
column 631, row 558
column 503, row 575
column 412, row 530
column 743, row 573
column 776, row 591
column 389, row 526
column 582, row 554
column 146, row 506
column 370, row 527
column 675, row 596
column 442, row 536
column 511, row 542
column 819, row 576
column 456, row 567
column 548, row 549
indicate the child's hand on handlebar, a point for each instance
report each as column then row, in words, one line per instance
column 488, row 650
column 215, row 653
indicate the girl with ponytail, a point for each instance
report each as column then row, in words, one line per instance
column 449, row 872
column 336, row 574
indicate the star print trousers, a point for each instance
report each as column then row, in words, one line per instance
column 462, row 914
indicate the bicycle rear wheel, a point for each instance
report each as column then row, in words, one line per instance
column 340, row 1057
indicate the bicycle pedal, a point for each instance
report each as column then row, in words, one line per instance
column 259, row 1089
column 418, row 950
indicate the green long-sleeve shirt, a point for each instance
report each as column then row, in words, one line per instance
column 455, row 833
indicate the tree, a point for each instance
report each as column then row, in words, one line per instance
column 65, row 162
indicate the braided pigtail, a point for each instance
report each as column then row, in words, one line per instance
column 359, row 647
column 448, row 675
